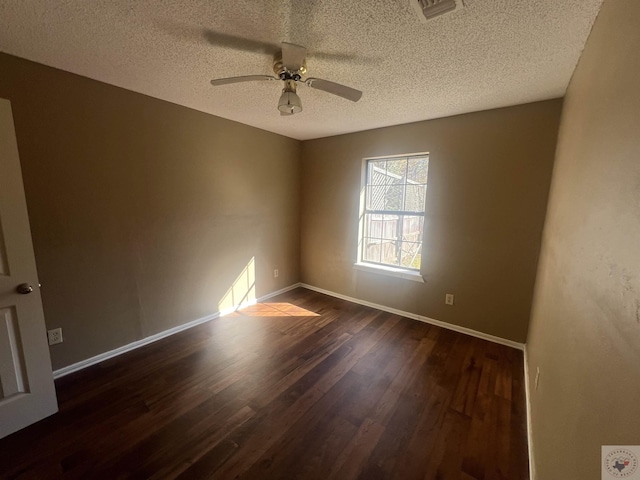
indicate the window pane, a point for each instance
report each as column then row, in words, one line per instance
column 412, row 228
column 397, row 170
column 393, row 198
column 371, row 250
column 411, row 254
column 373, row 225
column 390, row 253
column 377, row 173
column 415, row 197
column 376, row 198
column 395, row 185
column 385, row 197
column 390, row 227
column 418, row 169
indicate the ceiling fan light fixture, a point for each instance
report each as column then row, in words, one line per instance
column 289, row 103
column 289, row 65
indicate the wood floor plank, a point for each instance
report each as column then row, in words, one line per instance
column 309, row 447
column 304, row 386
column 445, row 458
column 350, row 461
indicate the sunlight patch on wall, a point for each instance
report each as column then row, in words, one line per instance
column 242, row 291
column 240, row 300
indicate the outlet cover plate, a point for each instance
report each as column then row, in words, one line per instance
column 55, row 336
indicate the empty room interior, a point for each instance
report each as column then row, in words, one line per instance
column 314, row 239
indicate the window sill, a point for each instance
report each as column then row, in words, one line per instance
column 390, row 271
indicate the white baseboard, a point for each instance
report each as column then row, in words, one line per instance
column 420, row 318
column 153, row 338
column 527, row 397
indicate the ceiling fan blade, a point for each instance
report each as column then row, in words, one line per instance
column 334, row 88
column 293, row 56
column 246, row 78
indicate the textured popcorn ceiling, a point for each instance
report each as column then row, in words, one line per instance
column 492, row 53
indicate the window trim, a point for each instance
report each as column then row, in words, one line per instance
column 405, row 273
column 391, row 270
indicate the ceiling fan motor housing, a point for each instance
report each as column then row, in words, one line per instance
column 282, row 72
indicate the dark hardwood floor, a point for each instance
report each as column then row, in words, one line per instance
column 304, row 386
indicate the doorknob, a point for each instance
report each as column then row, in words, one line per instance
column 24, row 288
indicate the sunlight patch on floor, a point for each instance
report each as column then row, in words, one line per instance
column 273, row 310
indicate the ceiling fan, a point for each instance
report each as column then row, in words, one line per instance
column 289, row 65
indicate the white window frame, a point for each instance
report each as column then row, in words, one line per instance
column 378, row 268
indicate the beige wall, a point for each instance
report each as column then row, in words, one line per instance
column 489, row 177
column 143, row 213
column 585, row 327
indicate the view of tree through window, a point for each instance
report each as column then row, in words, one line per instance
column 395, row 194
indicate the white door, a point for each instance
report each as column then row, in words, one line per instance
column 27, row 392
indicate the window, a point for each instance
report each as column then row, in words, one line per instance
column 395, row 191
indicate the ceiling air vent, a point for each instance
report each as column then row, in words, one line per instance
column 428, row 9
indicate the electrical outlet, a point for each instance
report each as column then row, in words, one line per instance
column 55, row 336
column 537, row 377
column 275, row 273
column 448, row 299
